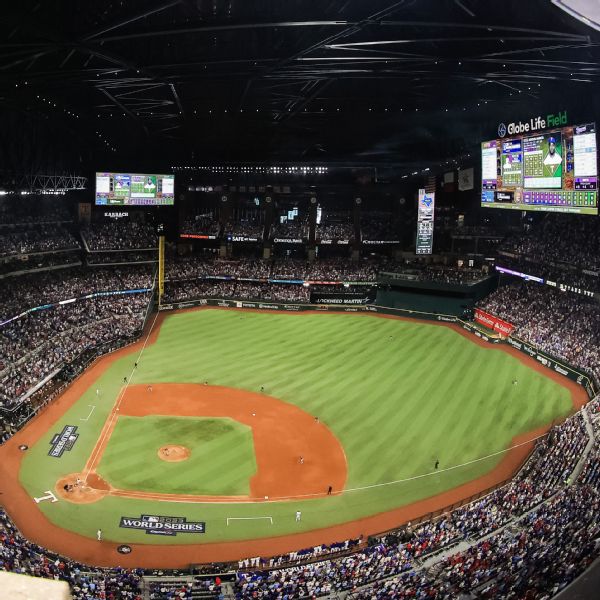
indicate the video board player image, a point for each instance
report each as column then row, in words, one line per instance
column 121, row 185
column 543, row 161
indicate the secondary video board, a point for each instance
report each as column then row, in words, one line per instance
column 425, row 221
column 134, row 189
column 550, row 170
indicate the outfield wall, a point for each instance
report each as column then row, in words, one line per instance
column 551, row 362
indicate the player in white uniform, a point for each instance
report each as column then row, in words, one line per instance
column 553, row 158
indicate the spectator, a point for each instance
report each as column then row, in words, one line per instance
column 119, row 235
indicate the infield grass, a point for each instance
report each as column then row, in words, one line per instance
column 220, row 464
column 399, row 395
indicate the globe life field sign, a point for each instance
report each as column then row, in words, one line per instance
column 534, row 124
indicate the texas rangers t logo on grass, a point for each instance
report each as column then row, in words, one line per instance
column 62, row 441
column 155, row 525
column 49, row 495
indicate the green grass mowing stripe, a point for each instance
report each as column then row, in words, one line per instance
column 468, row 433
column 215, row 465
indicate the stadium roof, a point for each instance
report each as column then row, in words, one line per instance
column 151, row 84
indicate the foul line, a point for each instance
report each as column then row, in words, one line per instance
column 465, row 464
column 108, row 426
column 247, row 519
column 93, row 406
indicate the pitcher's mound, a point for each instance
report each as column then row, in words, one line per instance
column 173, row 453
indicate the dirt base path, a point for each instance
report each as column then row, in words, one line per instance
column 34, row 525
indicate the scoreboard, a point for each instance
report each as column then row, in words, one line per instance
column 134, row 189
column 549, row 170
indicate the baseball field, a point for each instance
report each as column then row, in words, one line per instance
column 224, row 426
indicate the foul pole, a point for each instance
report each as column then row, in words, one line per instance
column 161, row 268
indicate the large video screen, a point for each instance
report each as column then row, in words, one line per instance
column 553, row 170
column 134, row 189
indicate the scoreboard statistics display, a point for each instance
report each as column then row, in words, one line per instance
column 552, row 170
column 134, row 189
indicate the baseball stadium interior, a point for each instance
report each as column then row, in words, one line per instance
column 379, row 219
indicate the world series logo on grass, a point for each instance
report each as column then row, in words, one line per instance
column 65, row 440
column 159, row 525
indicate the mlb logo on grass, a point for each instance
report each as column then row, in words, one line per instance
column 151, row 519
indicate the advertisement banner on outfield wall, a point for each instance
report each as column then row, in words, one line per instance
column 558, row 366
column 488, row 320
column 477, row 332
column 340, row 298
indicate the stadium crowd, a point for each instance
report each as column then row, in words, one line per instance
column 21, row 263
column 39, row 343
column 36, row 238
column 379, row 225
column 184, row 589
column 33, row 208
column 564, row 325
column 195, row 267
column 31, row 290
column 119, row 235
column 20, row 556
column 178, row 291
column 251, row 227
column 457, row 275
column 565, row 276
column 438, row 273
column 335, row 231
column 35, row 345
column 201, row 225
column 559, row 238
column 186, row 276
column 328, row 269
column 116, row 258
column 290, row 230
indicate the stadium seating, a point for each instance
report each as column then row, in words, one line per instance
column 119, row 235
column 564, row 325
column 41, row 338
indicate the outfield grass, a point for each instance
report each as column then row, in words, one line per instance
column 399, row 395
column 221, row 461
